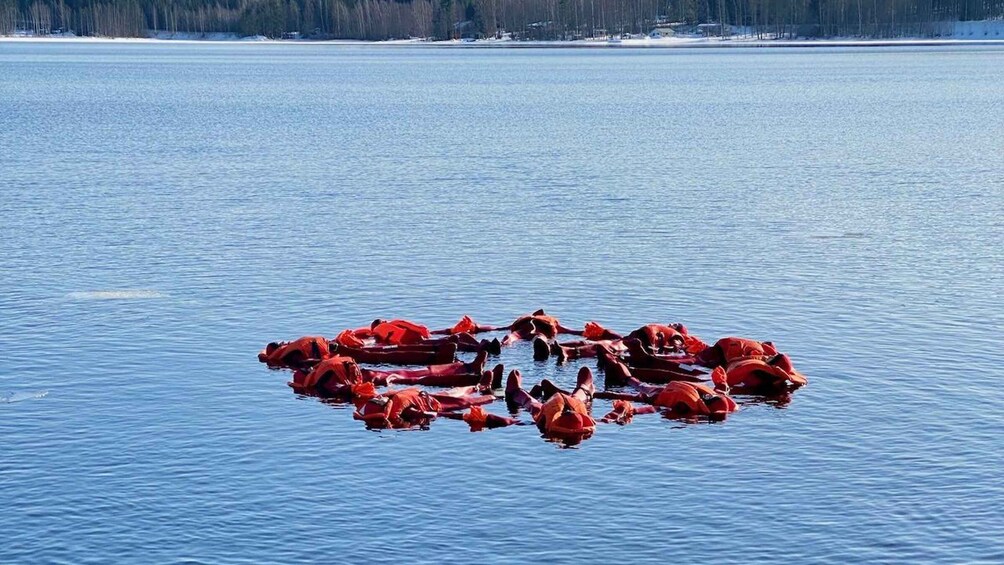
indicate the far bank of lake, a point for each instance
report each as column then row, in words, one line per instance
column 973, row 33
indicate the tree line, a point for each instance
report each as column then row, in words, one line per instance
column 524, row 19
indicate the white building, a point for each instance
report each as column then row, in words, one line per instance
column 661, row 31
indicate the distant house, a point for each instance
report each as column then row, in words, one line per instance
column 662, row 31
column 291, row 35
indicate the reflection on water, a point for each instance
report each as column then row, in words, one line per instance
column 779, row 400
column 845, row 235
column 22, row 396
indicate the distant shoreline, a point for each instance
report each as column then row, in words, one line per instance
column 672, row 43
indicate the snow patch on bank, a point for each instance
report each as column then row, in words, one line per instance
column 151, row 37
column 193, row 36
column 984, row 29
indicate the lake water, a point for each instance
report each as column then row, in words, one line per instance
column 168, row 209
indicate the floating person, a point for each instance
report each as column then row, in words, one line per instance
column 563, row 414
column 295, row 353
column 654, row 337
column 730, row 349
column 593, row 331
column 679, row 399
column 640, row 358
column 542, row 349
column 454, row 374
column 337, row 376
column 466, row 342
column 398, row 332
column 480, row 419
column 772, row 370
column 410, row 407
column 617, row 373
column 752, row 376
column 439, row 354
column 310, row 350
column 623, row 412
column 469, row 326
column 675, row 338
column 659, row 337
column 536, row 324
column 354, row 338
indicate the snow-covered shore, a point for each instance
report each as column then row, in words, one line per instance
column 988, row 32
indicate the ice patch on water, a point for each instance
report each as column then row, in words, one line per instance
column 115, row 294
column 20, row 396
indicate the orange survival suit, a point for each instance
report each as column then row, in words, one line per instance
column 730, row 349
column 399, row 332
column 335, row 376
column 537, row 323
column 693, row 399
column 563, row 414
column 759, row 374
column 397, row 409
column 296, row 351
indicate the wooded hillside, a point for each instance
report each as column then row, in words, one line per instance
column 443, row 19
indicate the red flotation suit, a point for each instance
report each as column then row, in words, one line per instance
column 622, row 413
column 658, row 336
column 350, row 338
column 737, row 348
column 333, row 375
column 692, row 399
column 465, row 325
column 693, row 344
column 540, row 322
column 476, row 418
column 388, row 411
column 594, row 331
column 400, row 332
column 296, row 351
column 759, row 374
column 730, row 349
column 564, row 414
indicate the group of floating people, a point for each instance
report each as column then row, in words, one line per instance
column 657, row 368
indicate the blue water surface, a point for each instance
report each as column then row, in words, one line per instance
column 168, row 209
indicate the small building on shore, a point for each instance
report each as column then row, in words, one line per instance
column 662, row 31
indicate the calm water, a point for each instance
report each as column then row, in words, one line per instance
column 168, row 209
